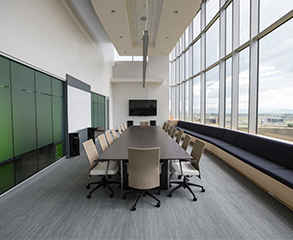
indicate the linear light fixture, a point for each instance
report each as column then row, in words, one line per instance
column 144, row 54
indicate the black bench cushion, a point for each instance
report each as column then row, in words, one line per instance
column 218, row 132
column 200, row 128
column 231, row 136
column 186, row 125
column 278, row 152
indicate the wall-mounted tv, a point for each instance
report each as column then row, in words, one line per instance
column 138, row 107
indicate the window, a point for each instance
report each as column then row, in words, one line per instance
column 186, row 105
column 275, row 109
column 212, row 44
column 243, row 90
column 196, row 99
column 244, row 21
column 212, row 7
column 196, row 57
column 228, row 94
column 229, row 29
column 269, row 14
column 196, row 25
column 212, row 96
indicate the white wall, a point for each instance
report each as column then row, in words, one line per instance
column 46, row 34
column 122, row 92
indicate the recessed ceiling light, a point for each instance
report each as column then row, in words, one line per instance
column 113, row 11
column 175, row 12
column 167, row 37
column 162, row 52
column 125, row 52
column 120, row 37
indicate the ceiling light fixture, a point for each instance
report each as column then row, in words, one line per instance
column 175, row 12
column 145, row 47
column 113, row 11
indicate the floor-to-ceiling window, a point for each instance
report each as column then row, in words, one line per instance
column 236, row 55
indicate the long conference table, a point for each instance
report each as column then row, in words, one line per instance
column 145, row 137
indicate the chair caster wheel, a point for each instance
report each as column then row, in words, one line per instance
column 169, row 195
column 158, row 205
column 158, row 192
column 123, row 197
column 88, row 196
column 194, row 199
column 203, row 190
column 133, row 209
column 87, row 187
column 112, row 195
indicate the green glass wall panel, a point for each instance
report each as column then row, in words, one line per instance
column 6, row 177
column 57, row 119
column 44, row 120
column 58, row 151
column 4, row 72
column 43, row 83
column 57, row 87
column 6, row 144
column 24, row 121
column 22, row 77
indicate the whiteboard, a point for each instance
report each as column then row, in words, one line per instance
column 79, row 109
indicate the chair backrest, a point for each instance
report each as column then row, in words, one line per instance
column 103, row 142
column 167, row 127
column 170, row 129
column 114, row 134
column 196, row 154
column 172, row 135
column 179, row 136
column 125, row 125
column 186, row 142
column 119, row 130
column 164, row 126
column 91, row 153
column 122, row 127
column 143, row 124
column 144, row 167
column 109, row 138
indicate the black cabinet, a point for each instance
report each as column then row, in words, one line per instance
column 74, row 144
column 129, row 123
column 91, row 133
column 153, row 122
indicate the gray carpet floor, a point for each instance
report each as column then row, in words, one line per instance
column 53, row 205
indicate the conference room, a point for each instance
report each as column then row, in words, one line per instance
column 213, row 72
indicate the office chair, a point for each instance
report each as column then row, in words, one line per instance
column 188, row 169
column 122, row 127
column 119, row 130
column 172, row 135
column 164, row 126
column 103, row 169
column 144, row 172
column 143, row 124
column 179, row 136
column 186, row 142
column 114, row 134
column 103, row 142
column 109, row 138
column 167, row 128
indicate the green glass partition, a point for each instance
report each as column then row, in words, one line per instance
column 6, row 177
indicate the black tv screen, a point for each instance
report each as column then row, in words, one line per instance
column 142, row 107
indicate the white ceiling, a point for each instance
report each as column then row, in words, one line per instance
column 166, row 22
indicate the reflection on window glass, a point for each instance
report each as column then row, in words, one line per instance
column 186, row 105
column 212, row 97
column 182, row 66
column 244, row 20
column 275, row 109
column 228, row 93
column 212, row 44
column 212, row 7
column 269, row 14
column 187, row 41
column 229, row 29
column 170, row 102
column 243, row 90
column 196, row 57
column 196, row 99
column 196, row 25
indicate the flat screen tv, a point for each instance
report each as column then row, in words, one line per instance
column 142, row 107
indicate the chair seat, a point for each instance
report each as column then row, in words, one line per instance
column 100, row 168
column 187, row 168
